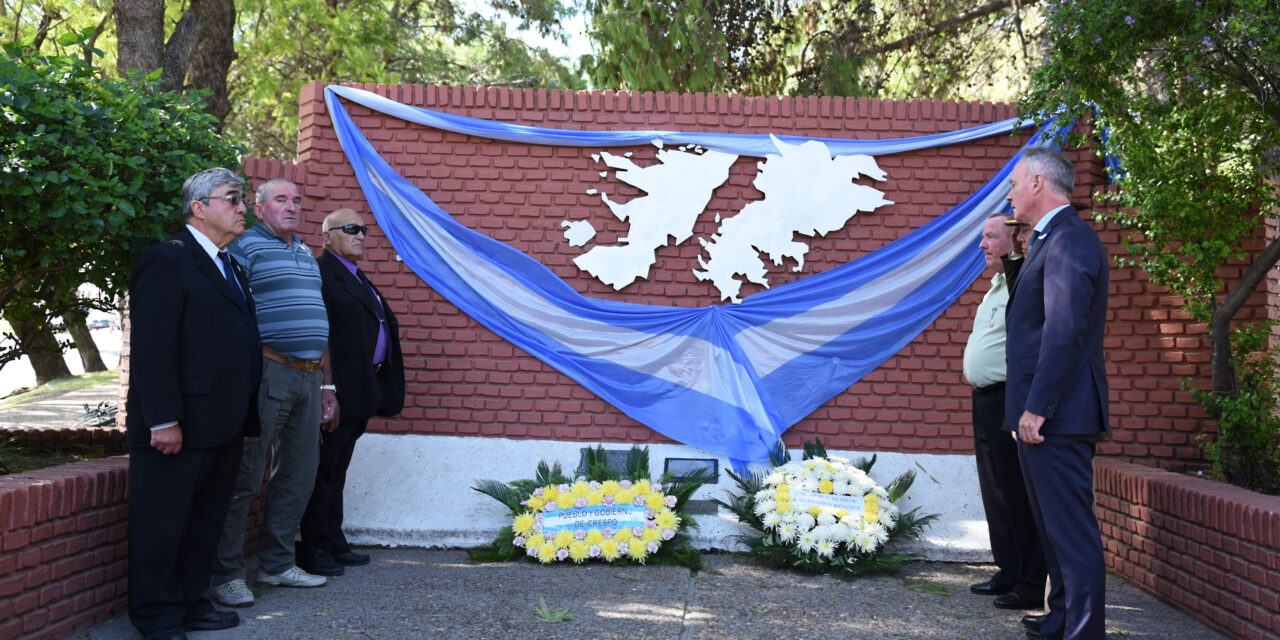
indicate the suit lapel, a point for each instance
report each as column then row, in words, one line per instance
column 213, row 271
column 1059, row 219
column 352, row 284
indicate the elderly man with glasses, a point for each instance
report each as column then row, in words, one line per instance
column 368, row 376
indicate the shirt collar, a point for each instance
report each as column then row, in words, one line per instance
column 204, row 242
column 351, row 266
column 1044, row 222
column 262, row 230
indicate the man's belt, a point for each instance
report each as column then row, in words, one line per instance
column 991, row 388
column 296, row 363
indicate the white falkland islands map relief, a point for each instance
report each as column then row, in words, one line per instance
column 806, row 192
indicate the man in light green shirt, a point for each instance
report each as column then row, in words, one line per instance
column 1015, row 545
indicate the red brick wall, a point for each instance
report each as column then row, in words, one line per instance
column 62, row 548
column 464, row 380
column 1208, row 548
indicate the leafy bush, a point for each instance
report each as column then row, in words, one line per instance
column 1247, row 448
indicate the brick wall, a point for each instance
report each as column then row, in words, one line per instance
column 63, row 549
column 1208, row 548
column 464, row 380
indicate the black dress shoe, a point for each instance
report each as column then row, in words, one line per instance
column 322, row 564
column 168, row 633
column 1034, row 634
column 1013, row 600
column 351, row 558
column 1034, row 621
column 212, row 621
column 989, row 588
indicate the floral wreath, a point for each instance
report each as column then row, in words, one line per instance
column 824, row 514
column 607, row 515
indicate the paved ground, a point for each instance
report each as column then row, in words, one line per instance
column 416, row 593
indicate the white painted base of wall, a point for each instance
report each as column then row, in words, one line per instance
column 416, row 491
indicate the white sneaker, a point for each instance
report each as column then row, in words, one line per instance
column 234, row 594
column 293, row 577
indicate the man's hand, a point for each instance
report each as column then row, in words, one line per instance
column 167, row 440
column 1029, row 428
column 329, row 412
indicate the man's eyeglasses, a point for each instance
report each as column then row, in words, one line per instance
column 234, row 199
column 352, row 229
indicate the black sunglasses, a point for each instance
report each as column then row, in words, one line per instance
column 352, row 229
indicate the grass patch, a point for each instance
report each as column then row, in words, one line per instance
column 927, row 586
column 58, row 387
column 20, row 453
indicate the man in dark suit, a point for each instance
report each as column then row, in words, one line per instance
column 367, row 371
column 193, row 374
column 1056, row 391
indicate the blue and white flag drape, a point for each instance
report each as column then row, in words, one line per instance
column 729, row 379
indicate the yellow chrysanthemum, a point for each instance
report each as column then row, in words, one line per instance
column 826, row 486
column 871, row 497
column 871, row 517
column 536, row 540
column 535, row 503
column 550, row 492
column 666, row 519
column 623, row 535
column 840, row 513
column 594, row 536
column 546, row 553
column 609, row 487
column 579, row 489
column 810, row 464
column 815, row 511
column 638, row 552
column 579, row 551
column 564, row 501
column 609, row 549
column 624, row 496
column 563, row 538
column 641, row 487
column 594, row 498
column 651, row 535
column 654, row 500
column 784, row 507
column 523, row 524
column 783, row 488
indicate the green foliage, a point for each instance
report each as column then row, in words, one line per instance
column 766, row 546
column 676, row 551
column 1187, row 91
column 1247, row 448
column 284, row 44
column 91, row 170
column 544, row 613
column 891, row 48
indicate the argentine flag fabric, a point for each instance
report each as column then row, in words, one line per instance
column 729, row 379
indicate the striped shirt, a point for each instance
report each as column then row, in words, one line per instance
column 285, row 283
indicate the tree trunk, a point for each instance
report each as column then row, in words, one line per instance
column 37, row 341
column 1224, row 374
column 89, row 356
column 139, row 35
column 214, row 51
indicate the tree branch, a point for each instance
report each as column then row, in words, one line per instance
column 947, row 25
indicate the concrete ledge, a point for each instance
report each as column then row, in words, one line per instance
column 1210, row 549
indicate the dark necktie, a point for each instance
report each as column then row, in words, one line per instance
column 227, row 270
column 373, row 295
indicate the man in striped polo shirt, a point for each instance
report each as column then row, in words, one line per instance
column 285, row 282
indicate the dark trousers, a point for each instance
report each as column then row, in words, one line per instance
column 177, row 505
column 1015, row 543
column 1059, row 479
column 322, row 522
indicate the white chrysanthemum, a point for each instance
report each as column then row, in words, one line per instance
column 807, row 542
column 826, row 548
column 807, row 484
column 786, row 532
column 804, row 520
column 881, row 536
column 838, row 459
column 774, row 479
column 792, row 518
column 864, row 543
column 771, row 519
column 765, row 506
column 826, row 517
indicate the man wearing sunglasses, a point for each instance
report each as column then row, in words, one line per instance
column 368, row 373
column 194, row 368
column 285, row 282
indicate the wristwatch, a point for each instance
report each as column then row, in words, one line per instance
column 328, row 387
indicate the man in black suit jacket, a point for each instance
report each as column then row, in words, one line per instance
column 193, row 374
column 1056, row 393
column 367, row 370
